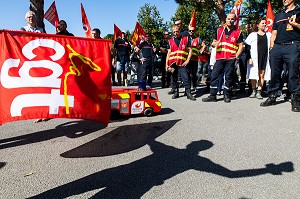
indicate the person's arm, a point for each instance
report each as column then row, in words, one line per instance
column 189, row 56
column 215, row 43
column 240, row 46
column 167, row 59
column 273, row 37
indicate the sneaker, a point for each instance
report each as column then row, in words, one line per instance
column 253, row 94
column 258, row 95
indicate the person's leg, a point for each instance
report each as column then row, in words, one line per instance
column 186, row 82
column 253, row 86
column 260, row 83
column 119, row 73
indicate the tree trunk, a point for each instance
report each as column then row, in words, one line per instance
column 37, row 6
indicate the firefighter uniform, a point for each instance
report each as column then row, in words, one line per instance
column 193, row 64
column 225, row 61
column 285, row 51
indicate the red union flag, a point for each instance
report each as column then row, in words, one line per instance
column 117, row 33
column 237, row 11
column 193, row 19
column 85, row 23
column 51, row 15
column 138, row 34
column 51, row 76
column 269, row 17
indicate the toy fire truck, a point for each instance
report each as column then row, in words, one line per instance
column 132, row 100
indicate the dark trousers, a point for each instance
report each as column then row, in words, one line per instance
column 192, row 68
column 228, row 67
column 286, row 54
column 183, row 72
column 243, row 67
column 165, row 76
column 146, row 69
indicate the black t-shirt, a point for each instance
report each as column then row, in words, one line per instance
column 285, row 31
column 65, row 32
column 123, row 49
column 147, row 50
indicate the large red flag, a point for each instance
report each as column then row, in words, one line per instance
column 117, row 33
column 237, row 11
column 85, row 23
column 52, row 76
column 269, row 17
column 138, row 34
column 51, row 15
column 193, row 19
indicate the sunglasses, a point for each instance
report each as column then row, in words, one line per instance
column 191, row 30
column 175, row 31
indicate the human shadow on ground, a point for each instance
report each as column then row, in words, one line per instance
column 134, row 179
column 73, row 129
column 123, row 139
column 2, row 164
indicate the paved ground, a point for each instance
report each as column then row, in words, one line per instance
column 190, row 150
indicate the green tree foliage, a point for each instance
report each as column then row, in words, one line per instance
column 151, row 21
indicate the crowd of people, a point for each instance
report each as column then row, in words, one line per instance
column 266, row 59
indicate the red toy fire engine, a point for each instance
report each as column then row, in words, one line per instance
column 132, row 100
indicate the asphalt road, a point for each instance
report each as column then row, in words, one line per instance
column 190, row 150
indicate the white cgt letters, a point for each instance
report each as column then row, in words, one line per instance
column 53, row 99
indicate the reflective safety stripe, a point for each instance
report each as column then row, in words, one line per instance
column 158, row 103
column 213, row 87
column 225, row 50
column 177, row 57
column 226, row 87
column 146, row 105
column 229, row 45
column 179, row 51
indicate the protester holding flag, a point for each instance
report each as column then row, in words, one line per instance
column 122, row 49
column 284, row 49
column 63, row 28
column 31, row 20
column 259, row 68
column 229, row 46
column 96, row 33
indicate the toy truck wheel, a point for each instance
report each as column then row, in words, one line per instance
column 148, row 112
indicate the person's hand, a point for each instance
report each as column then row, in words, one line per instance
column 292, row 20
column 250, row 61
column 142, row 59
column 185, row 63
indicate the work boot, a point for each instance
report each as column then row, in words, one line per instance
column 176, row 94
column 210, row 98
column 189, row 95
column 253, row 94
column 172, row 91
column 271, row 99
column 227, row 98
column 296, row 102
column 258, row 94
column 242, row 87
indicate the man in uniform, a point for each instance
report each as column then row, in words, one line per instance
column 178, row 57
column 229, row 46
column 197, row 48
column 122, row 50
column 285, row 45
column 148, row 51
column 165, row 76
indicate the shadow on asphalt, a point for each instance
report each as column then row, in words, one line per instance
column 2, row 164
column 121, row 140
column 73, row 129
column 134, row 179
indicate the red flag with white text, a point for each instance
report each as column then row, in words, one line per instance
column 237, row 11
column 269, row 17
column 138, row 34
column 85, row 23
column 117, row 33
column 52, row 76
column 193, row 19
column 51, row 15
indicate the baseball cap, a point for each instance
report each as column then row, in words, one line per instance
column 125, row 31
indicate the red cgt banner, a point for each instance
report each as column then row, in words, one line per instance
column 50, row 76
